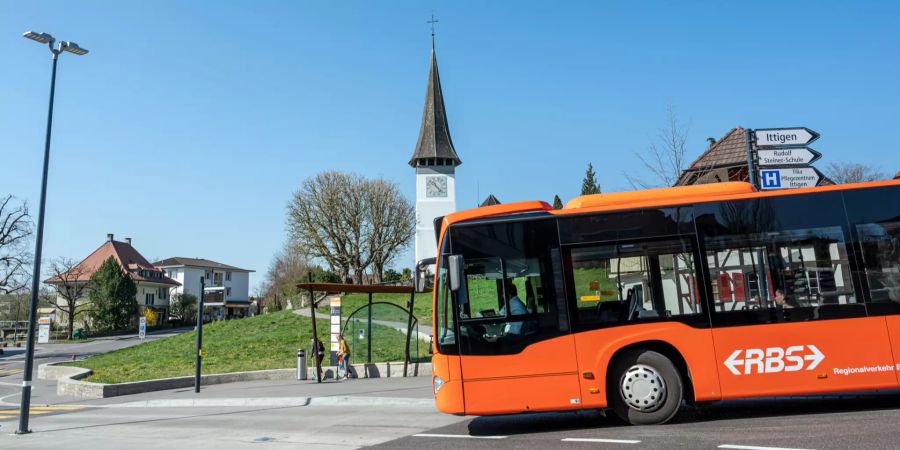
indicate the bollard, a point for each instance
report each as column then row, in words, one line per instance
column 301, row 364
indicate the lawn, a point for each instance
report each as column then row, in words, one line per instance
column 267, row 341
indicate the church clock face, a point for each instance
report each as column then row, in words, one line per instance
column 435, row 186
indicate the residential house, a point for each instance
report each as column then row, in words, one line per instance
column 152, row 284
column 226, row 288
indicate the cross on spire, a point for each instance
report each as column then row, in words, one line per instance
column 432, row 22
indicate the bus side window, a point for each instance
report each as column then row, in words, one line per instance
column 626, row 282
column 880, row 243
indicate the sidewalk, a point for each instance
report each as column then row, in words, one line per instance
column 406, row 388
column 284, row 414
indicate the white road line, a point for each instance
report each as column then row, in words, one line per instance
column 754, row 447
column 606, row 441
column 457, row 436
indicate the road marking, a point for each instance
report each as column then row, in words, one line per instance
column 754, row 447
column 38, row 410
column 9, row 371
column 606, row 441
column 457, row 436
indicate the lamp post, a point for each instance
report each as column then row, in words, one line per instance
column 62, row 46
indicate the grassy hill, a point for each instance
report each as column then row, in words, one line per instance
column 267, row 341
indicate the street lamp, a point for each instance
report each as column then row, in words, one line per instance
column 71, row 47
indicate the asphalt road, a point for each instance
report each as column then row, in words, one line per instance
column 398, row 413
column 806, row 423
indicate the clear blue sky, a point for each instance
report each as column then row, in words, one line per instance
column 190, row 124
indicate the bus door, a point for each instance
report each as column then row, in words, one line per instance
column 515, row 349
column 787, row 315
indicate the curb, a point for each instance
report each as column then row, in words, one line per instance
column 276, row 402
column 69, row 378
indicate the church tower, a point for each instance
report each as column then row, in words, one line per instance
column 435, row 161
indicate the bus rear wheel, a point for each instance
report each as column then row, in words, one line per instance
column 645, row 388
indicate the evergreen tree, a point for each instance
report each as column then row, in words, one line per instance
column 112, row 294
column 557, row 203
column 590, row 185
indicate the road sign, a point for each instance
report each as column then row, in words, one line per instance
column 787, row 156
column 784, row 137
column 142, row 328
column 43, row 333
column 44, row 320
column 789, row 178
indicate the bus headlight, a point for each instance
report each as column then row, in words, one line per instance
column 438, row 382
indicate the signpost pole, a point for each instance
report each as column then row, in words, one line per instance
column 751, row 167
column 199, row 337
column 315, row 334
column 369, row 331
column 409, row 324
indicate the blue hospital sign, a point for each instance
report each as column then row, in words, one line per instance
column 789, row 178
column 771, row 179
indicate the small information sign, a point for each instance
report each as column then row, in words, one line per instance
column 142, row 328
column 43, row 333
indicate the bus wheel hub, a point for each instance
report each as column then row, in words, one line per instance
column 643, row 388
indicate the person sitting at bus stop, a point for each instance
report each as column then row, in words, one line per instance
column 516, row 308
column 344, row 356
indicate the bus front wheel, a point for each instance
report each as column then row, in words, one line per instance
column 645, row 388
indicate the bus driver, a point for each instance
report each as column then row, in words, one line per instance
column 516, row 308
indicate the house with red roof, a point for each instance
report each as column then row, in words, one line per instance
column 152, row 283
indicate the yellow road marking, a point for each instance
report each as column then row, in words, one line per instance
column 9, row 371
column 38, row 410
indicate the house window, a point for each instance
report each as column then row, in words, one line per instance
column 162, row 292
column 228, row 292
column 227, row 276
column 148, row 299
column 208, row 275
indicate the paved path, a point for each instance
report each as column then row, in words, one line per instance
column 424, row 333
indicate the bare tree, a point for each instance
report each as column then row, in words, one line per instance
column 350, row 223
column 391, row 224
column 288, row 268
column 847, row 172
column 15, row 231
column 317, row 219
column 665, row 159
column 71, row 281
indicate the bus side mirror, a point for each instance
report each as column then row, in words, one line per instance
column 455, row 269
column 420, row 278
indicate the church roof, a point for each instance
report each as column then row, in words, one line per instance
column 434, row 135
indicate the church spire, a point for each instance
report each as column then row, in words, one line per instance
column 434, row 148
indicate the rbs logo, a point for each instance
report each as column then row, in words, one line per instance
column 774, row 359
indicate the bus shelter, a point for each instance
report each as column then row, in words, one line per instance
column 370, row 290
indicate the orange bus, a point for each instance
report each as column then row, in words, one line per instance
column 637, row 301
